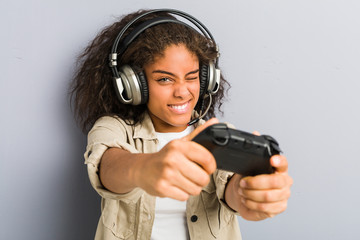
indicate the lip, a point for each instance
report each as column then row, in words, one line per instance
column 180, row 108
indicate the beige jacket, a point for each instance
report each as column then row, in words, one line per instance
column 131, row 215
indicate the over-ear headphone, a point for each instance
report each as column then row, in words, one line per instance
column 130, row 85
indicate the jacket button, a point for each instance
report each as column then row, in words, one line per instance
column 194, row 218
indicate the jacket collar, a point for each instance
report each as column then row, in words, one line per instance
column 145, row 129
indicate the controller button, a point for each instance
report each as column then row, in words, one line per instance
column 248, row 144
column 194, row 218
column 221, row 141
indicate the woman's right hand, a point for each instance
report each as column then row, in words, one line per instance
column 180, row 169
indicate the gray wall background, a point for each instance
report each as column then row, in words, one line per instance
column 294, row 70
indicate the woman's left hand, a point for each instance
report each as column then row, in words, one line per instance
column 263, row 196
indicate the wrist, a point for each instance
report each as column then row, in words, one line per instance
column 232, row 197
column 138, row 171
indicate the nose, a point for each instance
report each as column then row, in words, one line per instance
column 181, row 89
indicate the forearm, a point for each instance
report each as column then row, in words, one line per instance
column 118, row 168
column 180, row 169
column 232, row 198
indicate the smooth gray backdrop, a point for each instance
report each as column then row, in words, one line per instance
column 294, row 70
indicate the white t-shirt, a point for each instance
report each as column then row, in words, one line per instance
column 170, row 214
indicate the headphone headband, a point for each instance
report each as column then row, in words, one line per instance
column 142, row 27
column 152, row 22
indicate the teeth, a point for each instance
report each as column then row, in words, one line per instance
column 181, row 107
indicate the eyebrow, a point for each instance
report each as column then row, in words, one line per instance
column 171, row 74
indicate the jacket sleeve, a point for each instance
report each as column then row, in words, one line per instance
column 106, row 133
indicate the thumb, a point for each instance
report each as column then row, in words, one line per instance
column 256, row 133
column 280, row 163
column 200, row 128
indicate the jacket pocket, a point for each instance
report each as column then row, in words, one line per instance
column 217, row 216
column 119, row 217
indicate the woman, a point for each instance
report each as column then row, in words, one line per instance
column 154, row 181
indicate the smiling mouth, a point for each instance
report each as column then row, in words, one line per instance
column 180, row 107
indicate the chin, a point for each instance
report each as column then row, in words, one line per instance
column 179, row 121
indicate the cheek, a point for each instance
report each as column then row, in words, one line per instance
column 195, row 89
column 156, row 95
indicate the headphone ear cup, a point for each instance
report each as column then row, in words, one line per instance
column 133, row 85
column 144, row 90
column 204, row 79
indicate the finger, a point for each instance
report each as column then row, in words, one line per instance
column 265, row 196
column 200, row 128
column 164, row 188
column 175, row 178
column 279, row 162
column 175, row 193
column 186, row 175
column 201, row 156
column 266, row 181
column 195, row 173
column 172, row 183
column 195, row 153
column 270, row 209
column 186, row 165
column 188, row 185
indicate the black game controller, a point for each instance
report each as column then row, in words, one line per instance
column 237, row 151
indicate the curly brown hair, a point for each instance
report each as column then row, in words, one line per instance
column 92, row 94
